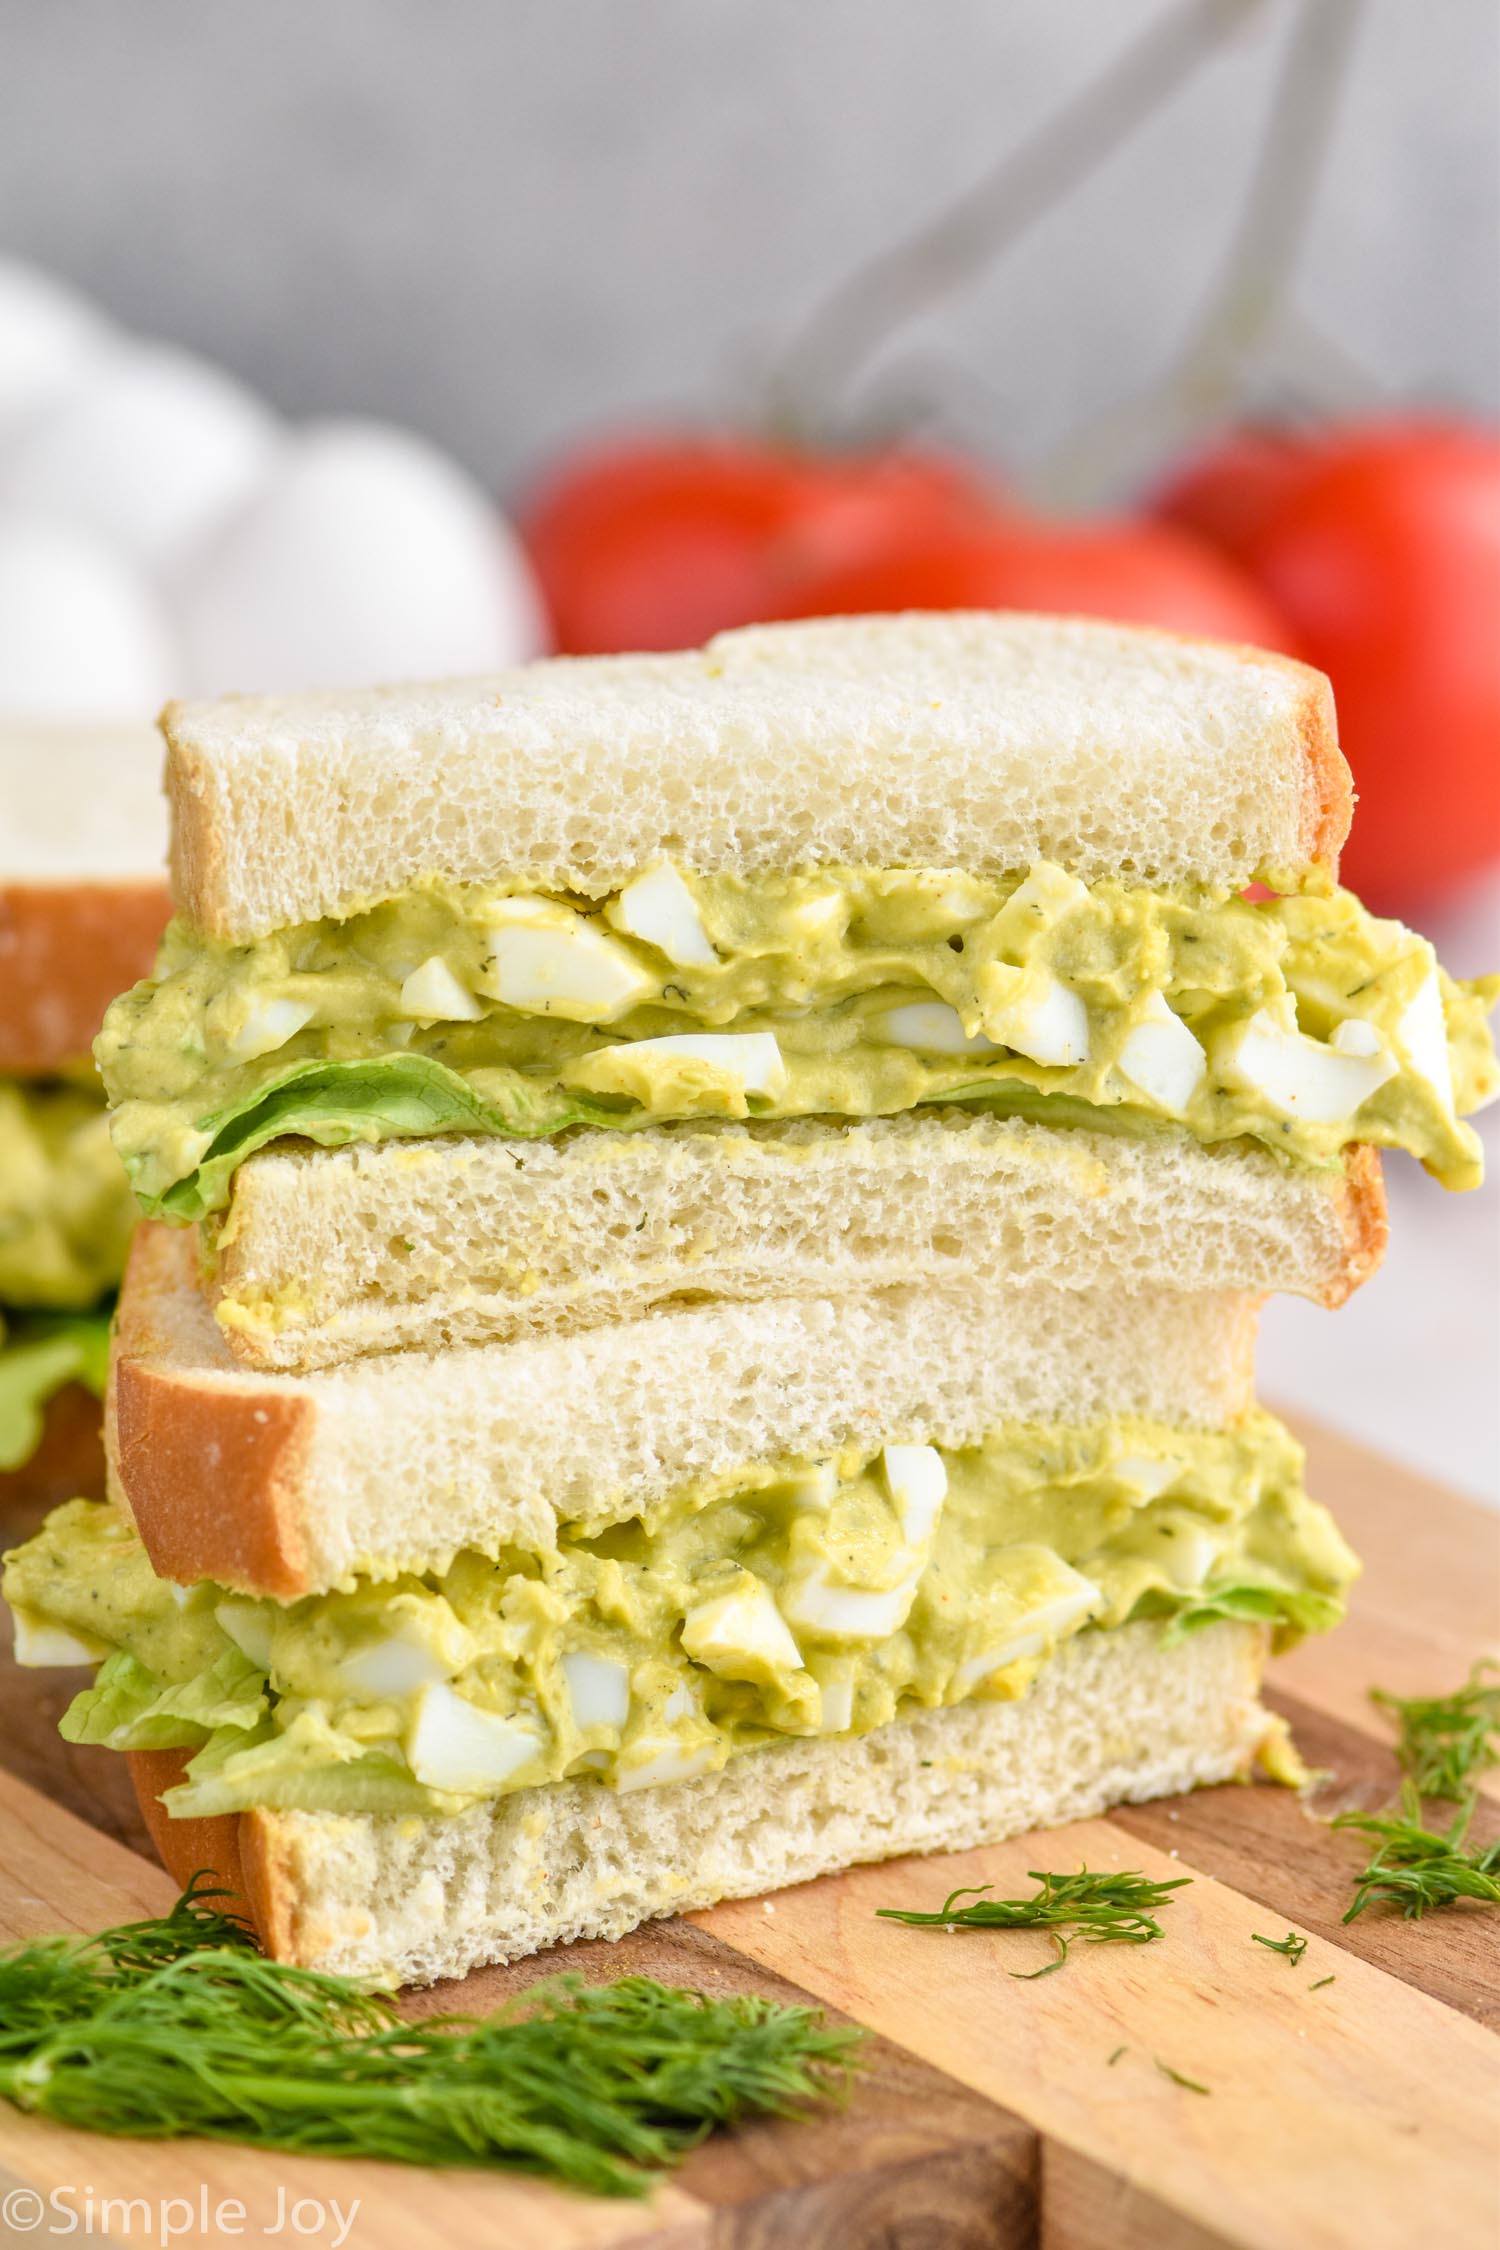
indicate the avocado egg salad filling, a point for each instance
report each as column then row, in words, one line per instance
column 66, row 1212
column 1299, row 1020
column 798, row 1598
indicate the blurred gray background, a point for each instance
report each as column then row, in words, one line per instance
column 507, row 220
column 512, row 222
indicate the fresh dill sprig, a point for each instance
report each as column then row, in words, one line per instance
column 1321, row 1982
column 1102, row 1909
column 1444, row 1741
column 179, row 2027
column 1291, row 1945
column 1416, row 1868
column 1193, row 2085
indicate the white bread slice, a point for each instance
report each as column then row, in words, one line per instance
column 331, row 1253
column 83, row 890
column 985, row 741
column 1114, row 1718
column 288, row 1484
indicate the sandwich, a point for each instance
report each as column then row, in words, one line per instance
column 705, row 1223
column 830, row 955
column 83, row 904
column 443, row 1657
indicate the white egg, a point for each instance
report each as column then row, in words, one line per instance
column 598, row 1689
column 39, row 1644
column 1298, row 1076
column 560, row 965
column 847, row 1613
column 454, row 1744
column 751, row 1059
column 1163, row 1059
column 368, row 555
column 660, row 908
column 153, row 449
column 917, row 1482
column 1036, row 1629
column 931, row 1027
column 652, row 1763
column 1045, row 1020
column 83, row 633
column 433, row 994
column 48, row 338
column 741, row 1634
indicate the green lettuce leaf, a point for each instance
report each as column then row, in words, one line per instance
column 1291, row 1614
column 42, row 1354
column 393, row 1097
column 129, row 1708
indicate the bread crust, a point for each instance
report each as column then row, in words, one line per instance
column 66, row 951
column 204, row 1470
column 1366, row 1224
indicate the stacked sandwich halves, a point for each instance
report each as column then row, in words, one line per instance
column 83, row 901
column 713, row 1209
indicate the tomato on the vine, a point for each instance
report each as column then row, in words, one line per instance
column 1381, row 547
column 1137, row 573
column 658, row 543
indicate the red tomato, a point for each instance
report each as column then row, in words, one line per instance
column 660, row 542
column 1137, row 573
column 1385, row 557
column 1224, row 495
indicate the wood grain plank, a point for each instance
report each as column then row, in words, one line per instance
column 1321, row 2132
column 1282, row 1854
column 1428, row 1602
column 913, row 2150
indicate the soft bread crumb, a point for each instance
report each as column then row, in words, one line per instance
column 329, row 1254
column 983, row 740
column 1116, row 1717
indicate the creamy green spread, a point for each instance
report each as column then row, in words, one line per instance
column 65, row 1206
column 808, row 1598
column 1299, row 1020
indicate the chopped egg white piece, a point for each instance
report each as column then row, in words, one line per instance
column 250, row 1626
column 836, row 1697
column 1299, row 1076
column 817, row 911
column 1032, row 1633
column 847, row 1613
column 931, row 1027
column 741, row 1635
column 918, row 1485
column 1424, row 1035
column 452, row 1744
column 680, row 1704
column 1047, row 894
column 660, row 909
column 1355, row 1037
column 751, row 1058
column 1045, row 1021
column 1189, row 1553
column 664, row 1762
column 39, row 1645
column 598, row 1689
column 1162, row 1059
column 433, row 994
column 548, row 961
column 269, row 1025
column 393, row 1667
column 815, row 1487
column 1148, row 1475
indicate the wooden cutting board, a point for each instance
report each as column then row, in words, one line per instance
column 995, row 2112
